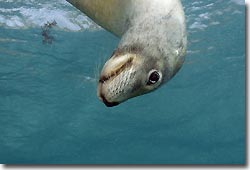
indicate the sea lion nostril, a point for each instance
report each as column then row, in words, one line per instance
column 107, row 103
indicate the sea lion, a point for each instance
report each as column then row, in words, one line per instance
column 152, row 47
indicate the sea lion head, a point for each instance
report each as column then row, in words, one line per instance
column 130, row 73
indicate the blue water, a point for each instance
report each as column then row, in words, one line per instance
column 49, row 112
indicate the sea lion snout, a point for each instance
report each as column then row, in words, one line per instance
column 126, row 76
column 117, row 78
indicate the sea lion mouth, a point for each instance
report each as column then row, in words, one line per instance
column 127, row 64
column 107, row 103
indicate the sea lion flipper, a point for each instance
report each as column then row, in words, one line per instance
column 110, row 14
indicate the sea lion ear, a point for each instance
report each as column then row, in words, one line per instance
column 110, row 14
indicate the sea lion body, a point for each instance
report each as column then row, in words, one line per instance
column 151, row 50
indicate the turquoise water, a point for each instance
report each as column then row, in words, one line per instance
column 50, row 113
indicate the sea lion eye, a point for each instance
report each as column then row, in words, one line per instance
column 154, row 77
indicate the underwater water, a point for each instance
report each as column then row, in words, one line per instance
column 49, row 111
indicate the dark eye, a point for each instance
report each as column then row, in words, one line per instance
column 154, row 77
